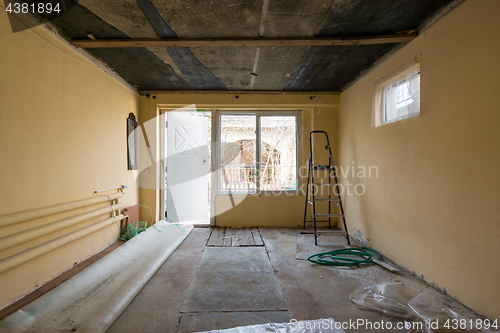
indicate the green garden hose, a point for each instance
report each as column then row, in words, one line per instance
column 338, row 257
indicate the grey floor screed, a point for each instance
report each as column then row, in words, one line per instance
column 306, row 247
column 311, row 291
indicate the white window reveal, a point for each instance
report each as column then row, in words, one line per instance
column 397, row 96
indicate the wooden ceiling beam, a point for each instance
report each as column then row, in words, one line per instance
column 262, row 41
column 238, row 92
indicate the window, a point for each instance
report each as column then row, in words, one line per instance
column 397, row 96
column 257, row 152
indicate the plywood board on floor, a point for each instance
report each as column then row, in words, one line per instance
column 226, row 237
column 230, row 279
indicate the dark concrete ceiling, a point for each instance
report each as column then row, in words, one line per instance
column 275, row 68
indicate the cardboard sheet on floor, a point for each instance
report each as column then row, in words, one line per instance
column 230, row 279
column 306, row 326
column 93, row 299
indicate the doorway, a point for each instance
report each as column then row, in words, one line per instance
column 187, row 193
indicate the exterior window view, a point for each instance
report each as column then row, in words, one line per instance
column 397, row 95
column 258, row 153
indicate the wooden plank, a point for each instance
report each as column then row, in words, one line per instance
column 378, row 262
column 209, row 240
column 7, row 311
column 236, row 237
column 133, row 213
column 219, row 237
column 242, row 237
column 249, row 237
column 241, row 92
column 256, row 237
column 212, row 240
column 216, row 237
column 259, row 41
column 227, row 237
column 386, row 266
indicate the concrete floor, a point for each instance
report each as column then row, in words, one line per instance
column 310, row 291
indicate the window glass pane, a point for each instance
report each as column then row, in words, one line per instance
column 402, row 100
column 278, row 153
column 237, row 157
column 403, row 96
column 397, row 95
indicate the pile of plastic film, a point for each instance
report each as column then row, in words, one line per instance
column 421, row 312
column 134, row 229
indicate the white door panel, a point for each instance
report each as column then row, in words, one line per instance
column 187, row 168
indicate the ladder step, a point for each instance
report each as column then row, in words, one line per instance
column 319, row 221
column 329, row 215
column 342, row 232
column 322, row 167
column 326, row 199
column 322, row 170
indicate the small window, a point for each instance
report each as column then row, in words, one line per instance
column 258, row 152
column 397, row 96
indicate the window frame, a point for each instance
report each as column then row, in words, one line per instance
column 395, row 86
column 385, row 90
column 258, row 141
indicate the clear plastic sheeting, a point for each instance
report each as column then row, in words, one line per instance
column 421, row 312
column 306, row 326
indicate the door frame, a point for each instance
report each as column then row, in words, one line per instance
column 163, row 155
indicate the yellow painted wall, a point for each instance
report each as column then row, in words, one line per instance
column 280, row 210
column 62, row 136
column 435, row 206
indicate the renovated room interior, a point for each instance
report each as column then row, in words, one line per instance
column 196, row 117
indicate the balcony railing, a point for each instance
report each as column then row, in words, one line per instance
column 242, row 179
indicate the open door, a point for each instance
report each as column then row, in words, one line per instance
column 188, row 167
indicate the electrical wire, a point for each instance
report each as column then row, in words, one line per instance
column 344, row 257
column 301, row 127
column 150, row 210
column 315, row 107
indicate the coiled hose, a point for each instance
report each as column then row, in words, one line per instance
column 338, row 257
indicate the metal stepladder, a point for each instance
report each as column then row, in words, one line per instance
column 312, row 195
